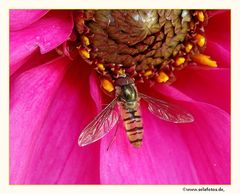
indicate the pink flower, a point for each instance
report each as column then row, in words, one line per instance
column 52, row 98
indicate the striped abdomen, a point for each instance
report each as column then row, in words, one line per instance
column 133, row 124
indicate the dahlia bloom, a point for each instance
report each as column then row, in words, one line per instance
column 53, row 97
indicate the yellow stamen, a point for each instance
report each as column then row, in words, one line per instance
column 200, row 40
column 100, row 66
column 204, row 60
column 200, row 16
column 107, row 85
column 85, row 53
column 86, row 40
column 188, row 47
column 148, row 73
column 180, row 61
column 162, row 77
column 121, row 71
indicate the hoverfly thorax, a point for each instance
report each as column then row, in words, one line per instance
column 126, row 92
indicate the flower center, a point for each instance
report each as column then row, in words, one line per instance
column 143, row 44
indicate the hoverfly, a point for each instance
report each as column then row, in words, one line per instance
column 127, row 100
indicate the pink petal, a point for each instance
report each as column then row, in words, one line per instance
column 20, row 19
column 206, row 85
column 218, row 53
column 47, row 33
column 31, row 95
column 36, row 59
column 172, row 153
column 95, row 90
column 213, row 13
column 218, row 30
column 79, row 165
column 46, row 146
column 209, row 144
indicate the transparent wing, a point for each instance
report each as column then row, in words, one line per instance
column 166, row 111
column 100, row 125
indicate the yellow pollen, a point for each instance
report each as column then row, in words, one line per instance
column 162, row 77
column 107, row 85
column 85, row 53
column 188, row 47
column 200, row 16
column 204, row 60
column 148, row 73
column 86, row 40
column 200, row 40
column 121, row 71
column 100, row 66
column 180, row 61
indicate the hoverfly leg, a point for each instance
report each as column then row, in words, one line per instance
column 114, row 138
